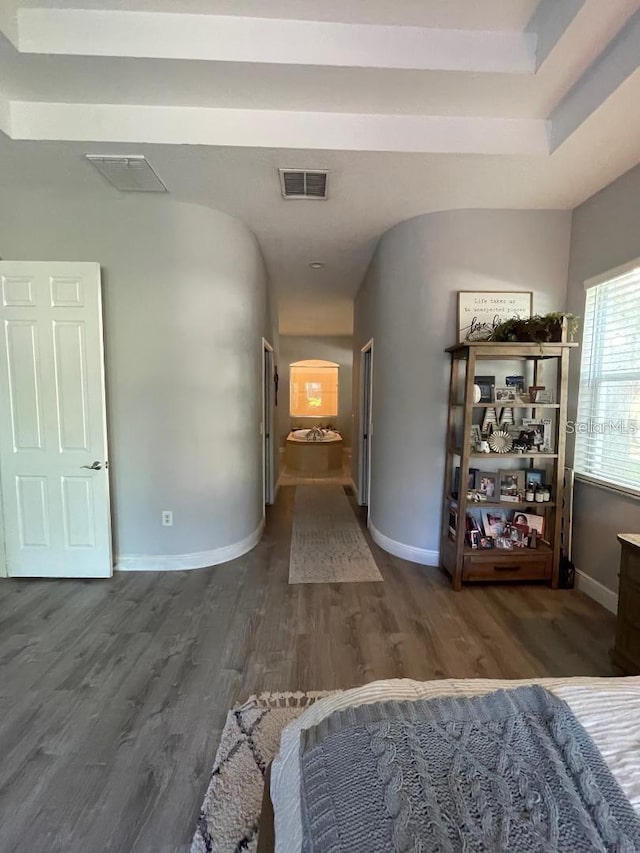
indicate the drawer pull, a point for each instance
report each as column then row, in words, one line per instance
column 507, row 568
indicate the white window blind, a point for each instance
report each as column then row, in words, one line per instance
column 608, row 422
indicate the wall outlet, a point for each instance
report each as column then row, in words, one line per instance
column 167, row 518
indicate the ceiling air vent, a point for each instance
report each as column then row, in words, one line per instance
column 128, row 174
column 299, row 183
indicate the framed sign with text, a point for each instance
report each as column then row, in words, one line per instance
column 479, row 312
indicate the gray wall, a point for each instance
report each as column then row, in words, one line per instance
column 185, row 310
column 605, row 235
column 299, row 348
column 407, row 304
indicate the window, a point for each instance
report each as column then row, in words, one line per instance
column 608, row 423
column 314, row 389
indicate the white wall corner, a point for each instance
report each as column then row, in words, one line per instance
column 405, row 552
column 184, row 562
column 600, row 593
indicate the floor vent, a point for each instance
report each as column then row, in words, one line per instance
column 128, row 174
column 300, row 183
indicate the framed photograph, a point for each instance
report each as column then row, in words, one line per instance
column 487, row 484
column 479, row 312
column 544, row 396
column 485, row 384
column 522, row 438
column 494, row 522
column 471, row 481
column 535, row 477
column 519, row 535
column 476, row 436
column 505, row 394
column 511, row 485
column 474, row 537
column 534, row 522
column 503, row 542
column 542, row 432
column 516, row 382
column 485, row 543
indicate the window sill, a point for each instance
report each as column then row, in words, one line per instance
column 608, row 487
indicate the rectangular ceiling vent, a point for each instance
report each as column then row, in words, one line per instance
column 128, row 174
column 300, row 183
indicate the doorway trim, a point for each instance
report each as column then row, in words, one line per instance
column 365, row 430
column 267, row 425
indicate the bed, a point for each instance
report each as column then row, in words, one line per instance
column 607, row 709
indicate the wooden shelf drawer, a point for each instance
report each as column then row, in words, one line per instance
column 507, row 567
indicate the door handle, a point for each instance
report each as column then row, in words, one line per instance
column 96, row 466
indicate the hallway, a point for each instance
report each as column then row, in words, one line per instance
column 114, row 693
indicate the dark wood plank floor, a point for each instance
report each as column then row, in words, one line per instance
column 113, row 693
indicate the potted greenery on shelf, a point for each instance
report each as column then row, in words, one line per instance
column 539, row 329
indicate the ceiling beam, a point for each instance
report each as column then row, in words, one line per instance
column 617, row 63
column 9, row 20
column 266, row 40
column 5, row 116
column 278, row 129
column 549, row 23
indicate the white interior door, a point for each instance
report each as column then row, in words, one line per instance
column 53, row 440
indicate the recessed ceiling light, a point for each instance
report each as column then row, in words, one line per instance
column 316, row 265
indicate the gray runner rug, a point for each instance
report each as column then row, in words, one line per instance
column 327, row 544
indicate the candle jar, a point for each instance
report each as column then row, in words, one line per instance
column 530, row 495
column 539, row 496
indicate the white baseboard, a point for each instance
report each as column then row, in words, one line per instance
column 405, row 552
column 183, row 562
column 600, row 593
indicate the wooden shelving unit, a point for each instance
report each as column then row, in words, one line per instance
column 467, row 565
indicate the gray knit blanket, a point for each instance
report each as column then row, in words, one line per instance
column 511, row 771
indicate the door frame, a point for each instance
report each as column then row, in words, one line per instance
column 267, row 424
column 366, row 412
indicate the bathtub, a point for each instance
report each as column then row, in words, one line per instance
column 313, row 457
column 301, row 435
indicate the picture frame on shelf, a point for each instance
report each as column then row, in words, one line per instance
column 485, row 384
column 494, row 521
column 542, row 432
column 511, row 484
column 504, row 394
column 485, row 543
column 544, row 397
column 535, row 522
column 503, row 543
column 535, row 477
column 516, row 382
column 471, row 481
column 476, row 436
column 523, row 438
column 487, row 484
column 519, row 536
